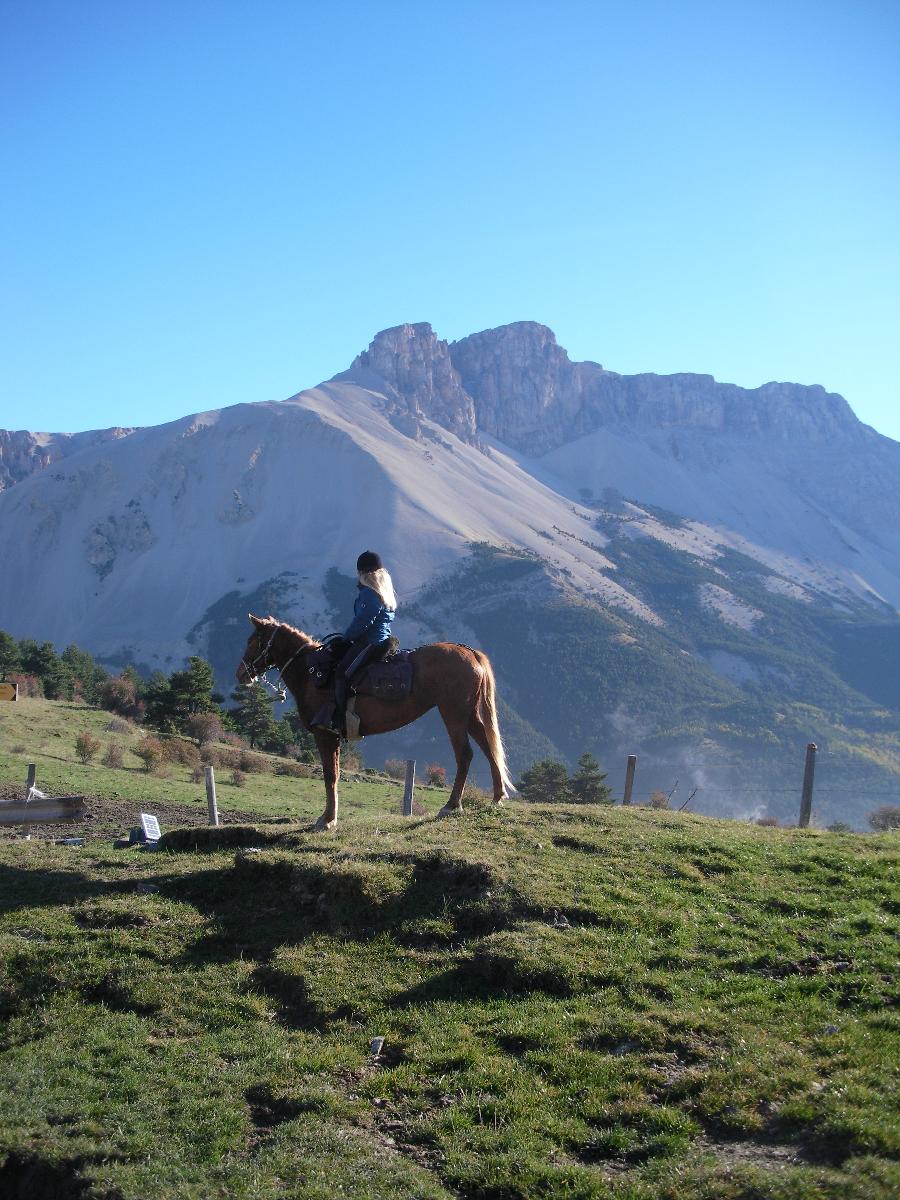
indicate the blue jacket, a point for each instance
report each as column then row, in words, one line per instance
column 371, row 620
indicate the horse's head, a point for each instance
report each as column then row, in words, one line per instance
column 257, row 657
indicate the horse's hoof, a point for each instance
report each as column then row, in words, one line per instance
column 321, row 825
column 498, row 801
column 447, row 811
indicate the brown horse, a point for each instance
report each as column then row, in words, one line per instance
column 455, row 679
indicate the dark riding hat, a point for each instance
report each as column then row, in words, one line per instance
column 368, row 561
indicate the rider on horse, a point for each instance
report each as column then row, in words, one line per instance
column 367, row 635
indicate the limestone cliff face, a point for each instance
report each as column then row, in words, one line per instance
column 529, row 394
column 527, row 391
column 23, row 453
column 416, row 368
column 517, row 384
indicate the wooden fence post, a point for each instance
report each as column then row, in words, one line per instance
column 211, row 796
column 629, row 778
column 809, row 771
column 409, row 787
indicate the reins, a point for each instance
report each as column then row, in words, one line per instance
column 256, row 676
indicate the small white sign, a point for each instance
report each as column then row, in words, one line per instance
column 150, row 826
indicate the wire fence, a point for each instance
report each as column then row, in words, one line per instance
column 855, row 780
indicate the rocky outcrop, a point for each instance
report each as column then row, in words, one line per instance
column 412, row 366
column 23, row 453
column 517, row 384
column 527, row 391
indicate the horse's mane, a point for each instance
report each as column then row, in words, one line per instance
column 302, row 640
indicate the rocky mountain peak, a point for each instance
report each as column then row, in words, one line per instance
column 526, row 389
column 415, row 365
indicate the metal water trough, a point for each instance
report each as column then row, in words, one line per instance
column 36, row 808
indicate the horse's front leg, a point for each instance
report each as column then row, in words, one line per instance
column 329, row 748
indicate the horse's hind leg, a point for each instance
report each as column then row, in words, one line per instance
column 478, row 733
column 459, row 740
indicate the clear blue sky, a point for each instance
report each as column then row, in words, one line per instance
column 205, row 203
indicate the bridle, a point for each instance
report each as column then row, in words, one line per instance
column 259, row 665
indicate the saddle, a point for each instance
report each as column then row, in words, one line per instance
column 389, row 678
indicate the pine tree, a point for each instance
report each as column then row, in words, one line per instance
column 10, row 660
column 253, row 715
column 161, row 706
column 192, row 688
column 84, row 673
column 545, row 782
column 587, row 782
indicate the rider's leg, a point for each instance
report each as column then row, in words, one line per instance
column 353, row 661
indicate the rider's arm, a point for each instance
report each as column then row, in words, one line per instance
column 366, row 610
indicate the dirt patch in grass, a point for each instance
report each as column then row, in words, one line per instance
column 765, row 1156
column 105, row 817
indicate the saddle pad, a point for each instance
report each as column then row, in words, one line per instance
column 387, row 680
column 320, row 664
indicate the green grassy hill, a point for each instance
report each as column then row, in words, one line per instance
column 574, row 1003
column 44, row 732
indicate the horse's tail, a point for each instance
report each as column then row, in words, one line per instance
column 486, row 715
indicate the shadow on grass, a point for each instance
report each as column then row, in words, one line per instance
column 30, row 1177
column 30, row 887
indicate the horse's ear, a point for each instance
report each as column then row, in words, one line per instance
column 257, row 621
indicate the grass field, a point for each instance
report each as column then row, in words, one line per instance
column 44, row 732
column 574, row 1003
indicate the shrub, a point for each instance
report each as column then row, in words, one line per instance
column 114, row 756
column 395, row 767
column 885, row 818
column 293, row 770
column 840, row 827
column 119, row 695
column 238, row 778
column 436, row 775
column 198, row 774
column 177, row 750
column 351, row 760
column 117, row 725
column 228, row 756
column 768, row 821
column 29, row 686
column 659, row 799
column 204, row 727
column 86, row 746
column 153, row 755
column 252, row 764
